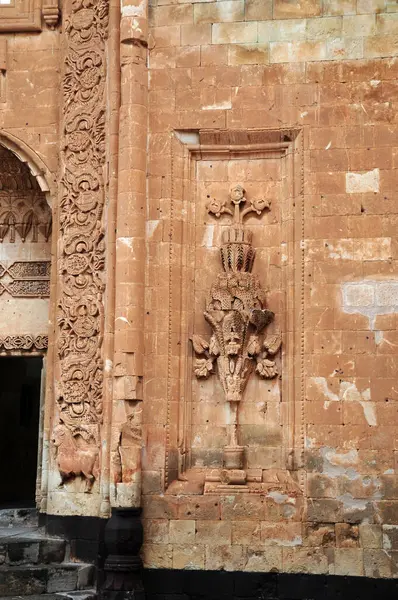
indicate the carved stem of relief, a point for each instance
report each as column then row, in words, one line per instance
column 237, row 314
column 80, row 306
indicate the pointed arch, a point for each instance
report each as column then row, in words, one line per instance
column 45, row 179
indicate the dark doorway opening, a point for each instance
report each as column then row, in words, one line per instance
column 19, row 429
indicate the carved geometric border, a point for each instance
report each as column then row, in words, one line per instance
column 23, row 342
column 30, row 279
column 229, row 144
column 22, row 15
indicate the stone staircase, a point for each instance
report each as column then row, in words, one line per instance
column 35, row 566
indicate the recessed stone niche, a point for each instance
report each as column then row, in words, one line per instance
column 206, row 165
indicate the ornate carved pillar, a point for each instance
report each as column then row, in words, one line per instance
column 76, row 435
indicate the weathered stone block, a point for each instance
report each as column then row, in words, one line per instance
column 264, row 561
column 182, row 532
column 297, row 560
column 226, row 557
column 347, row 536
column 370, row 536
column 287, row 9
column 324, row 510
column 219, row 12
column 188, row 557
column 319, row 534
column 377, row 563
column 348, row 561
column 258, row 10
column 234, row 33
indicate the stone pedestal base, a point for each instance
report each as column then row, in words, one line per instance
column 233, row 457
column 122, row 567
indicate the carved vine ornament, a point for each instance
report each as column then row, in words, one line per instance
column 236, row 311
column 82, row 261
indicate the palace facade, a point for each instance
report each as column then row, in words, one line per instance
column 199, row 293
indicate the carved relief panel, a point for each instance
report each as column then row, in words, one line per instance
column 25, row 255
column 239, row 387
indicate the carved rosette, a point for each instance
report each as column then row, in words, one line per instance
column 80, row 317
column 236, row 311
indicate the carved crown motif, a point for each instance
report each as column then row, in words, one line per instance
column 237, row 252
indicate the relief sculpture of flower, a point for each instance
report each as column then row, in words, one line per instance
column 214, row 348
column 258, row 205
column 217, row 207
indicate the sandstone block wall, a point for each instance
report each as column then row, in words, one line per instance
column 320, row 76
column 29, row 91
column 295, row 102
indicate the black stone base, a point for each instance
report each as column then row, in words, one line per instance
column 84, row 534
column 120, row 567
column 220, row 585
column 112, row 545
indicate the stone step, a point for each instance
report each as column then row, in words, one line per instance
column 79, row 595
column 30, row 548
column 10, row 517
column 28, row 580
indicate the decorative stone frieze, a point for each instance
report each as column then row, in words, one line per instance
column 26, row 279
column 23, row 342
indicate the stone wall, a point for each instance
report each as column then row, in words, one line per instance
column 29, row 91
column 246, row 398
column 230, row 83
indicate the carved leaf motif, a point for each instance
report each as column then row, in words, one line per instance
column 199, row 344
column 272, row 343
column 266, row 368
column 261, row 318
column 253, row 346
column 203, row 367
column 214, row 348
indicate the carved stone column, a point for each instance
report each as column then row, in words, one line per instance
column 130, row 259
column 74, row 480
column 121, row 573
column 123, row 533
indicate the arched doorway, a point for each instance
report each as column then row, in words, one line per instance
column 25, row 254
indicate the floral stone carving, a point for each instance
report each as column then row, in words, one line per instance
column 80, row 317
column 236, row 311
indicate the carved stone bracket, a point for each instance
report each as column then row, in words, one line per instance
column 236, row 311
column 51, row 13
